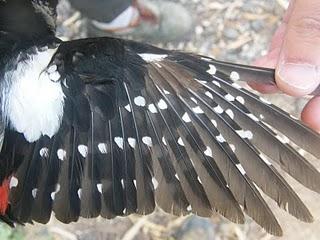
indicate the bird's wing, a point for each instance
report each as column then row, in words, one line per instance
column 144, row 127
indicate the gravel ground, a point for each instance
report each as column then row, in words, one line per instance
column 232, row 30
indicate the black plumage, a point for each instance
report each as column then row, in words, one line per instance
column 143, row 127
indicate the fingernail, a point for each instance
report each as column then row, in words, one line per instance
column 298, row 79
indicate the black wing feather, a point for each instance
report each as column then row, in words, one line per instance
column 173, row 130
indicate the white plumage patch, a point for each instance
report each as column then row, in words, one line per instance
column 33, row 103
column 102, row 148
column 62, row 154
column 119, row 142
column 147, row 140
column 13, row 182
column 152, row 108
column 212, row 69
column 186, row 118
column 132, row 142
column 162, row 104
column 83, row 150
column 140, row 101
column 208, row 152
column 57, row 189
column 234, row 76
column 151, row 57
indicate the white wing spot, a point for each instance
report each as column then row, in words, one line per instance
column 177, row 177
column 83, row 150
column 102, row 148
column 240, row 99
column 194, row 100
column 34, row 192
column 253, row 117
column 162, row 104
column 122, row 183
column 166, row 92
column 208, row 152
column 234, row 76
column 180, row 142
column 164, row 141
column 128, row 108
column 245, row 134
column 230, row 113
column 186, row 118
column 236, row 85
column 147, row 141
column 220, row 138
column 189, row 208
column 201, row 81
column 152, row 108
column 283, row 139
column 241, row 169
column 132, row 142
column 216, row 83
column 199, row 180
column 218, row 109
column 99, row 187
column 150, row 57
column 233, row 147
column 119, row 142
column 249, row 134
column 197, row 110
column 155, row 183
column 53, row 194
column 294, row 117
column 209, row 94
column 264, row 101
column 212, row 69
column 140, row 101
column 229, row 97
column 206, row 59
column 214, row 122
column 265, row 159
column 13, row 182
column 62, row 154
column 79, row 193
column 44, row 152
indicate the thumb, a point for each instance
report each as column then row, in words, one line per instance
column 298, row 68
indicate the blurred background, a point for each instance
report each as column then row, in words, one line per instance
column 231, row 30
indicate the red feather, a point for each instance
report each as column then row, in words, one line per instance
column 4, row 196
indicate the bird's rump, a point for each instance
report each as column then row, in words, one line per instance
column 145, row 127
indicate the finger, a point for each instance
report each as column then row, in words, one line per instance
column 297, row 70
column 311, row 112
column 278, row 36
column 288, row 12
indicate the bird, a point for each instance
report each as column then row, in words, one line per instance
column 111, row 127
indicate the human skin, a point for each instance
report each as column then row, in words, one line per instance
column 295, row 54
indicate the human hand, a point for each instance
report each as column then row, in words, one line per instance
column 295, row 54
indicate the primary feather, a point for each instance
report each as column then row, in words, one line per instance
column 108, row 127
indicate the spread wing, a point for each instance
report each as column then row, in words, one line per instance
column 145, row 127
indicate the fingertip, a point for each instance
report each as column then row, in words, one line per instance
column 311, row 112
column 297, row 79
column 263, row 88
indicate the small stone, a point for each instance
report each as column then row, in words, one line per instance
column 231, row 33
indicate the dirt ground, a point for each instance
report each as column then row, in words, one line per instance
column 233, row 30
